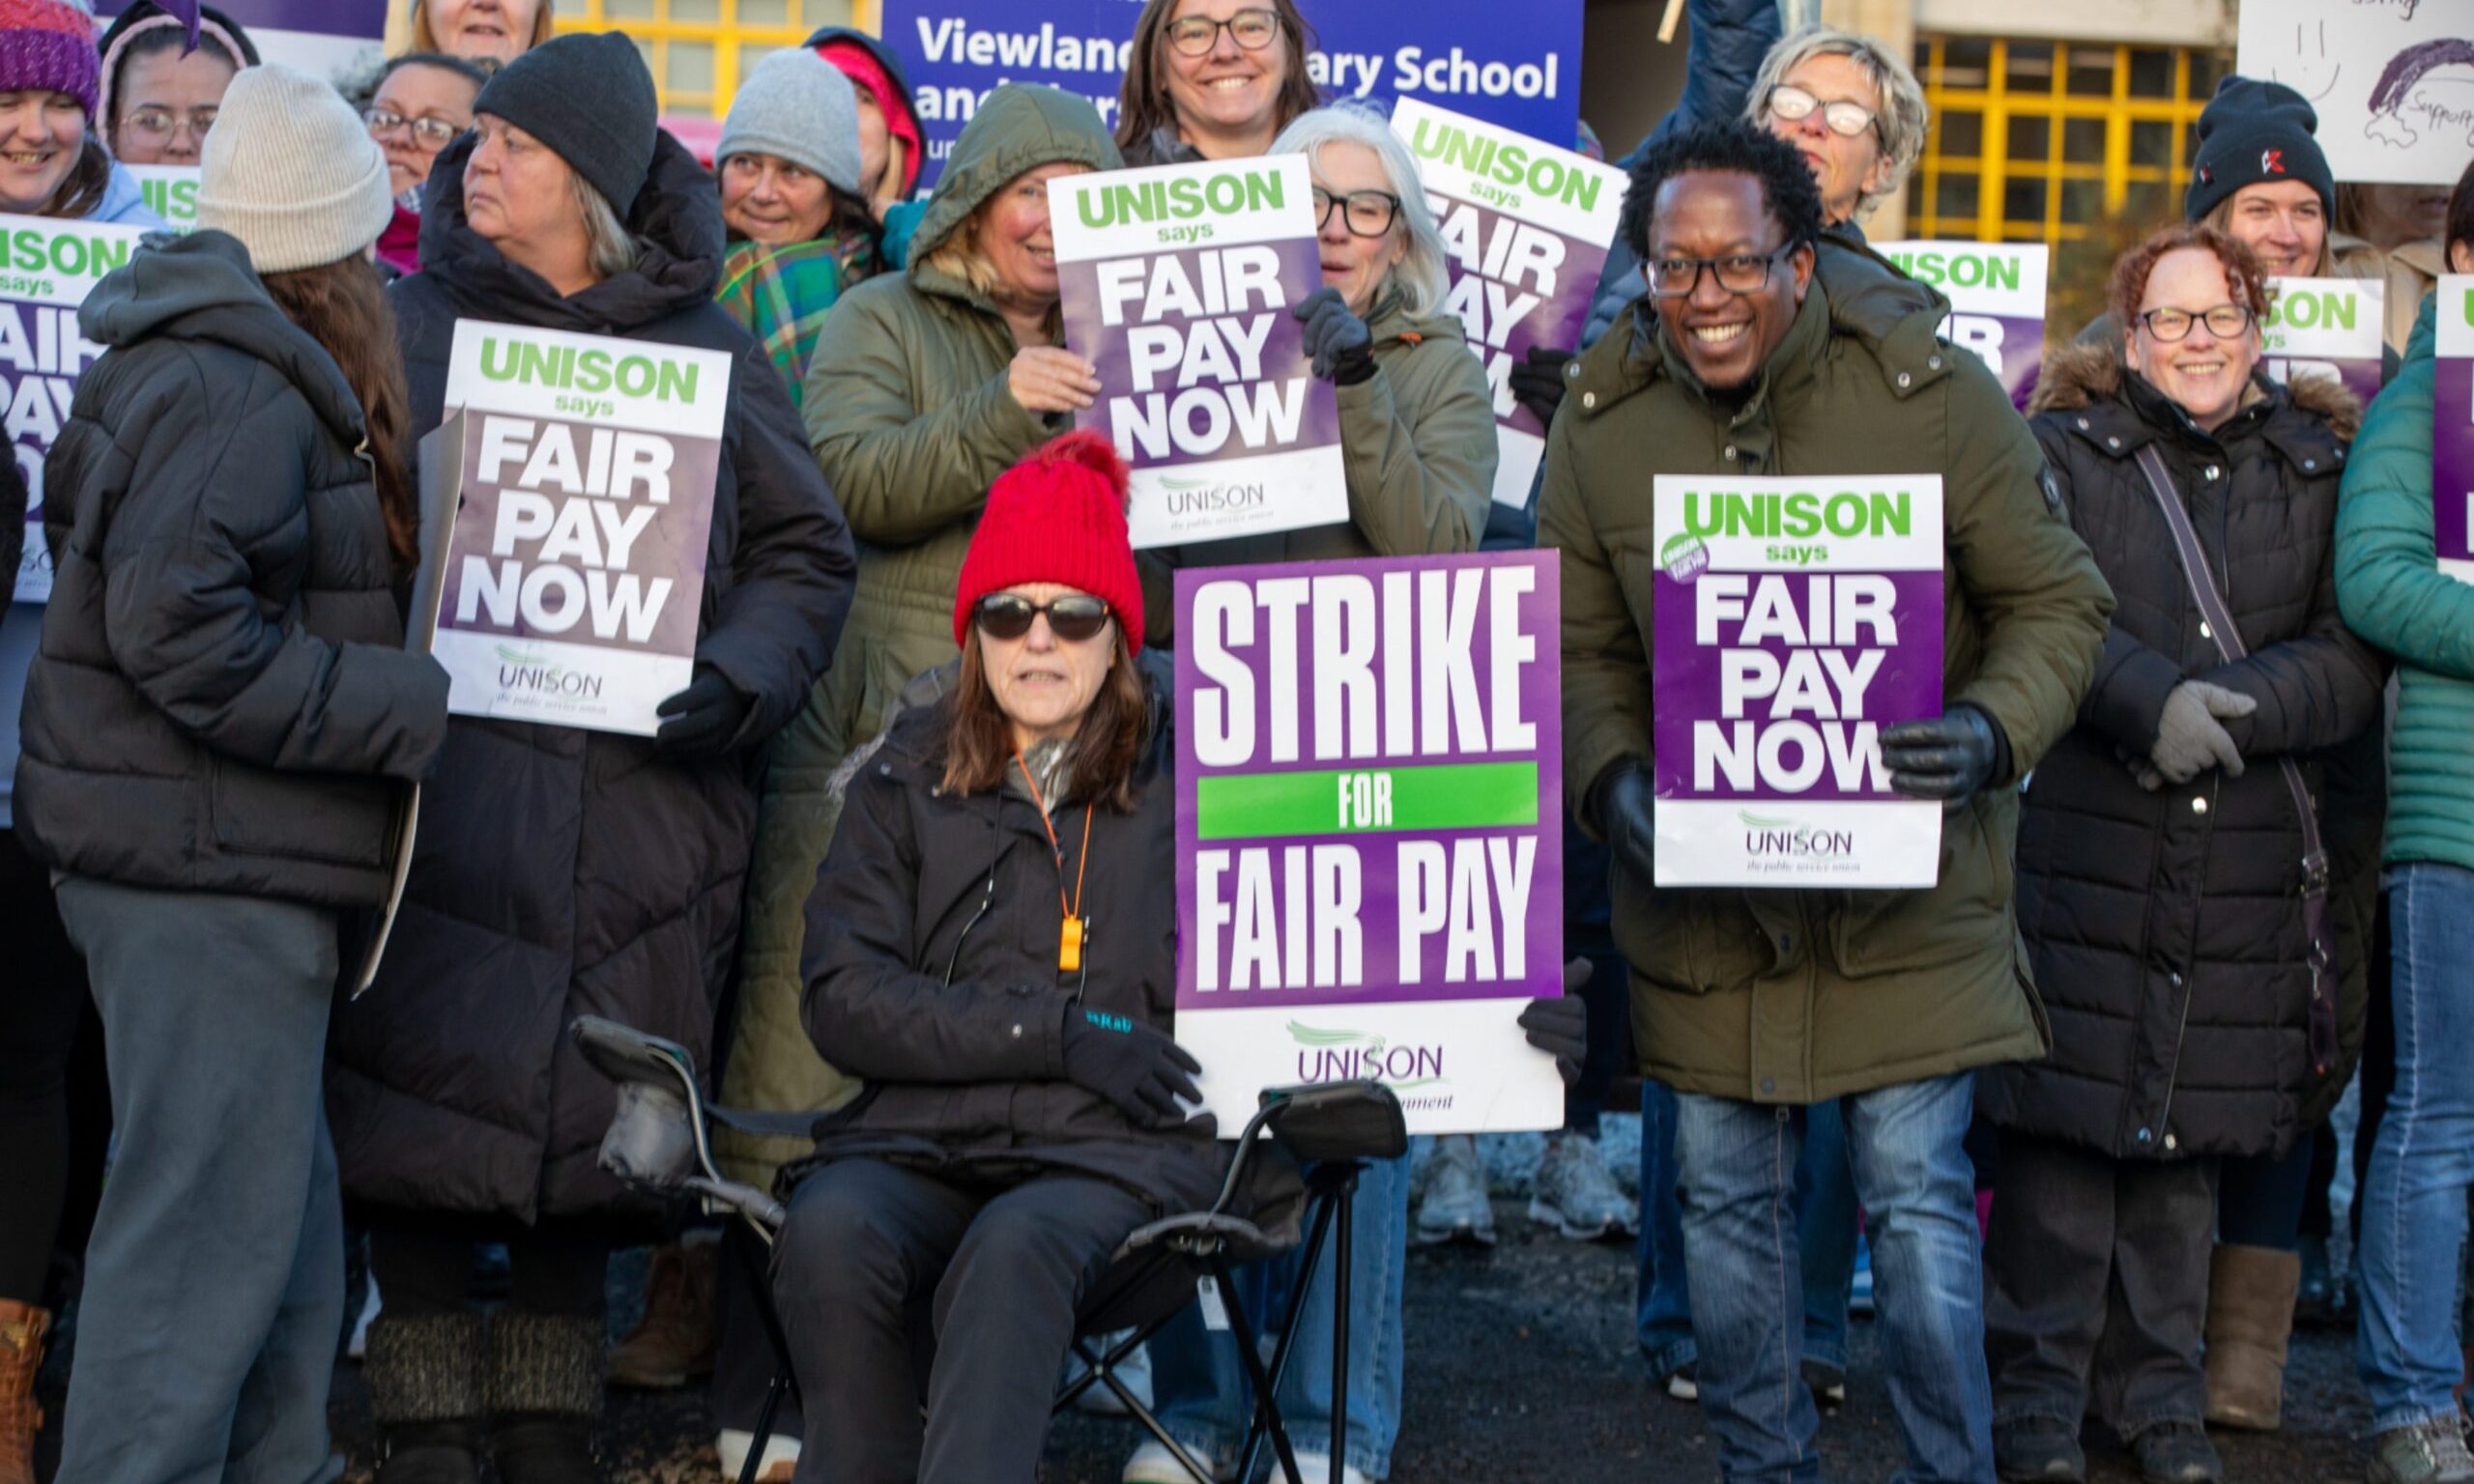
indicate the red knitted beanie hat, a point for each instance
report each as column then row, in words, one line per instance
column 1057, row 517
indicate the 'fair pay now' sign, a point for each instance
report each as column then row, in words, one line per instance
column 1370, row 832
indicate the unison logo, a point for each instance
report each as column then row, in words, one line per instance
column 1346, row 1056
column 1786, row 838
column 535, row 674
column 1204, row 497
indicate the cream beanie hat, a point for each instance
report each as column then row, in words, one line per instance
column 292, row 172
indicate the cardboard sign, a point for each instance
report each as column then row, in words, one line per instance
column 172, row 194
column 576, row 573
column 2328, row 325
column 1997, row 294
column 1795, row 618
column 2393, row 80
column 1456, row 52
column 1527, row 227
column 1370, row 832
column 1179, row 283
column 2453, row 429
column 48, row 267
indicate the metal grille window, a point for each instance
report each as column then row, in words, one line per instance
column 699, row 49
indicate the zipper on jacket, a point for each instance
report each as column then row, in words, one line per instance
column 985, row 901
column 2182, row 1026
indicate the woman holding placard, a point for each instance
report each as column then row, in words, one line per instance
column 2413, row 1197
column 2172, row 885
column 1213, row 80
column 565, row 870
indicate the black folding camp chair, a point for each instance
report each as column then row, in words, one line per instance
column 658, row 1142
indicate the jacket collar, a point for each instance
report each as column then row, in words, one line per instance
column 2115, row 411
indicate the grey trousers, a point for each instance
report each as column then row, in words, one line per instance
column 214, row 1281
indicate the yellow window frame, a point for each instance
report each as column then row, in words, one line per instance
column 722, row 33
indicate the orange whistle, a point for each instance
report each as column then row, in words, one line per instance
column 1069, row 946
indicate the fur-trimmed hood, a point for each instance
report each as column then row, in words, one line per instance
column 2080, row 375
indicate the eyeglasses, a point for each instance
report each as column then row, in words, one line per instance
column 431, row 135
column 1368, row 213
column 1741, row 273
column 1844, row 119
column 2225, row 322
column 157, row 124
column 1195, row 36
column 1073, row 618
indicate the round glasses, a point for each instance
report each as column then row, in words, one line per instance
column 1367, row 212
column 1194, row 36
column 431, row 135
column 1843, row 118
column 158, row 125
column 1740, row 272
column 2225, row 322
column 1073, row 618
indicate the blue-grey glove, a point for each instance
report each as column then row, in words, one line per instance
column 1336, row 341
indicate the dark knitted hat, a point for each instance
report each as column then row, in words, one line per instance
column 2254, row 131
column 591, row 98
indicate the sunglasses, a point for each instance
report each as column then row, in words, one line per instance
column 1074, row 619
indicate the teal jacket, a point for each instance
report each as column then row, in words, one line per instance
column 2392, row 593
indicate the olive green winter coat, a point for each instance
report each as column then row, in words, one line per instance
column 1794, row 996
column 910, row 416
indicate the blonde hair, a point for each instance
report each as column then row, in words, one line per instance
column 2220, row 217
column 1901, row 119
column 425, row 39
column 608, row 248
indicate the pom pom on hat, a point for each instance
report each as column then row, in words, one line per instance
column 1058, row 516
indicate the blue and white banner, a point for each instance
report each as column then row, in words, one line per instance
column 1456, row 53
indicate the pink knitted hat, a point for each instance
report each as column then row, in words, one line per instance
column 49, row 44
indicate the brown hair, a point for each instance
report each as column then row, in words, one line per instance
column 2220, row 217
column 1143, row 107
column 343, row 308
column 81, row 190
column 426, row 40
column 2241, row 270
column 978, row 742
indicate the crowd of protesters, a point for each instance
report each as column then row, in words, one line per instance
column 2206, row 845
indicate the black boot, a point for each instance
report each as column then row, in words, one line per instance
column 544, row 1394
column 425, row 1377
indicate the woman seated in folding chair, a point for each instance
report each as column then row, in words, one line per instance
column 992, row 945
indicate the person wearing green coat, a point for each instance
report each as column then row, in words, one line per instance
column 2394, row 593
column 1755, row 1005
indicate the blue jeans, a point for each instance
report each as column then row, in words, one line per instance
column 215, row 1280
column 1199, row 1388
column 2413, row 1196
column 1737, row 1162
column 1826, row 1225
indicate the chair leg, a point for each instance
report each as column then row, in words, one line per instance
column 1341, row 1252
column 784, row 1379
column 1266, row 1421
column 773, row 1391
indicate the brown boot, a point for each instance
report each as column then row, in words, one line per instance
column 2250, row 1314
column 672, row 1345
column 22, row 1328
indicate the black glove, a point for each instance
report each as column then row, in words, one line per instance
column 1336, row 341
column 1560, row 1028
column 701, row 719
column 1538, row 381
column 1947, row 758
column 1133, row 1065
column 1623, row 805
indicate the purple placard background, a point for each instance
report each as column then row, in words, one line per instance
column 2451, row 456
column 331, row 18
column 1540, row 706
column 1089, row 335
column 75, row 354
column 2022, row 349
column 1556, row 322
column 1685, row 681
column 675, row 544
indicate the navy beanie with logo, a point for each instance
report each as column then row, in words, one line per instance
column 2253, row 133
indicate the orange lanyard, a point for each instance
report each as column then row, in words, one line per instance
column 1071, row 934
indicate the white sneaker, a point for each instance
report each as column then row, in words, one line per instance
column 1455, row 1208
column 781, row 1456
column 1152, row 1464
column 1577, row 1196
column 1135, row 1370
column 1316, row 1468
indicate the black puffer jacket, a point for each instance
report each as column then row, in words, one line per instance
column 2167, row 927
column 221, row 701
column 564, row 872
column 962, row 1067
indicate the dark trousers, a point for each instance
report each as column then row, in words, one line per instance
column 40, row 1012
column 2096, row 1277
column 423, row 1263
column 879, row 1261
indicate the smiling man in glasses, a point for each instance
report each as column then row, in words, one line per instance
column 1756, row 1005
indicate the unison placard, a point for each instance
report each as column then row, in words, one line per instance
column 1996, row 292
column 2452, row 428
column 2328, row 327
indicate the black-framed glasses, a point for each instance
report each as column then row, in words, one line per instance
column 158, row 123
column 1368, row 213
column 1075, row 618
column 431, row 135
column 1194, row 36
column 1739, row 273
column 1843, row 118
column 2225, row 322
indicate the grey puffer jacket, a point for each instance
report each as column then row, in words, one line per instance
column 221, row 700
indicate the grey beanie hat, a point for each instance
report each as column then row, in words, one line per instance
column 590, row 98
column 800, row 107
column 292, row 172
